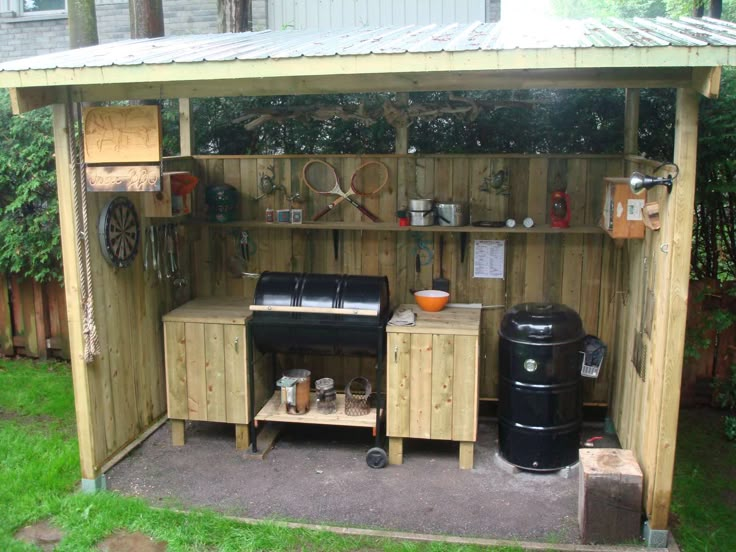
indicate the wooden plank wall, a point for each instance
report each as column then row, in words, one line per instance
column 575, row 269
column 127, row 381
column 634, row 398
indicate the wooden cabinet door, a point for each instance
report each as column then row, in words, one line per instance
column 206, row 372
column 236, row 397
column 397, row 403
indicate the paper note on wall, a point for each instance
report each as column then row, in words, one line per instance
column 488, row 258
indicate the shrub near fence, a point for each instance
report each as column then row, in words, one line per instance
column 33, row 320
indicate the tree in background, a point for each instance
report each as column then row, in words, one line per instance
column 146, row 18
column 82, row 23
column 30, row 242
column 233, row 16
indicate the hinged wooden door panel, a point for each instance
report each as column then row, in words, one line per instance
column 399, row 372
column 235, row 374
column 465, row 389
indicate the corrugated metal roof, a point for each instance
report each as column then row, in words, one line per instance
column 363, row 41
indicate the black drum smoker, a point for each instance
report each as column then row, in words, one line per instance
column 542, row 352
column 323, row 314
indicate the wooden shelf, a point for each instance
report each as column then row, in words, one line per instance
column 393, row 227
column 273, row 411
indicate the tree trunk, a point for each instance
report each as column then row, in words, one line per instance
column 716, row 8
column 233, row 16
column 698, row 8
column 146, row 18
column 82, row 23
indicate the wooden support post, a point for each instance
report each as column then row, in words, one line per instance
column 242, row 436
column 177, row 433
column 631, row 124
column 186, row 128
column 80, row 375
column 668, row 330
column 467, row 449
column 6, row 319
column 39, row 308
column 401, row 141
column 395, row 451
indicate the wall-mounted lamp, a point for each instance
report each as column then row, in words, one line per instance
column 640, row 182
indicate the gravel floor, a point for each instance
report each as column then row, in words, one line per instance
column 319, row 474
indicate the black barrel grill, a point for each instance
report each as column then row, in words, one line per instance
column 321, row 314
column 540, row 392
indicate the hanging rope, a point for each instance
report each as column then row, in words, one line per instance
column 79, row 197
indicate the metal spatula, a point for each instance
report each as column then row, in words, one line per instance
column 441, row 283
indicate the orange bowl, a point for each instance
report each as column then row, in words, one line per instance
column 431, row 300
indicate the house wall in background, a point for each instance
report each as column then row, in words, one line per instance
column 31, row 35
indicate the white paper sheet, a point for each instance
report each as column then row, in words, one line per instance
column 488, row 258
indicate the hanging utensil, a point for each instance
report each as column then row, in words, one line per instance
column 441, row 283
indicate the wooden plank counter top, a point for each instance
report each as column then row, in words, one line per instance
column 212, row 310
column 449, row 321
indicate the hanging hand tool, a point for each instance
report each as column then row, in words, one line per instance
column 441, row 283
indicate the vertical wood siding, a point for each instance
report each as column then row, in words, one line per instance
column 576, row 269
column 326, row 14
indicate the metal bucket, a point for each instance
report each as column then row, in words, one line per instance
column 540, row 390
column 294, row 386
column 451, row 214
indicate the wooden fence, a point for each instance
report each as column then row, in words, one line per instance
column 714, row 360
column 33, row 319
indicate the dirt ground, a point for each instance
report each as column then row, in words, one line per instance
column 319, row 474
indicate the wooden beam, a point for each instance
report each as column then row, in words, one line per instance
column 631, row 122
column 186, row 128
column 23, row 100
column 80, row 374
column 404, row 82
column 105, row 90
column 668, row 332
column 707, row 81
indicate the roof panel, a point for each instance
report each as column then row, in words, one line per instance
column 609, row 33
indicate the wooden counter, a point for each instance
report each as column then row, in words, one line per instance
column 432, row 373
column 206, row 375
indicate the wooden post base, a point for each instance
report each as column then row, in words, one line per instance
column 395, row 451
column 610, row 496
column 242, row 436
column 467, row 450
column 177, row 432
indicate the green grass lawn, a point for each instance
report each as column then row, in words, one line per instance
column 704, row 490
column 40, row 470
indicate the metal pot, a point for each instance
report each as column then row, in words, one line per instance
column 451, row 214
column 421, row 204
column 421, row 218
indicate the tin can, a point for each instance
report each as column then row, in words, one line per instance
column 269, row 215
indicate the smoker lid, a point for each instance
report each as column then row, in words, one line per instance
column 541, row 323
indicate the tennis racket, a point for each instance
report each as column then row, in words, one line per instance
column 361, row 185
column 321, row 186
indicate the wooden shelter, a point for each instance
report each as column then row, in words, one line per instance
column 631, row 293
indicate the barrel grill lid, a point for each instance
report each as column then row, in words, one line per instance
column 541, row 323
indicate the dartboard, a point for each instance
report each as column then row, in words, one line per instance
column 119, row 231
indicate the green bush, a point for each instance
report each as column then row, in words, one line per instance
column 29, row 213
